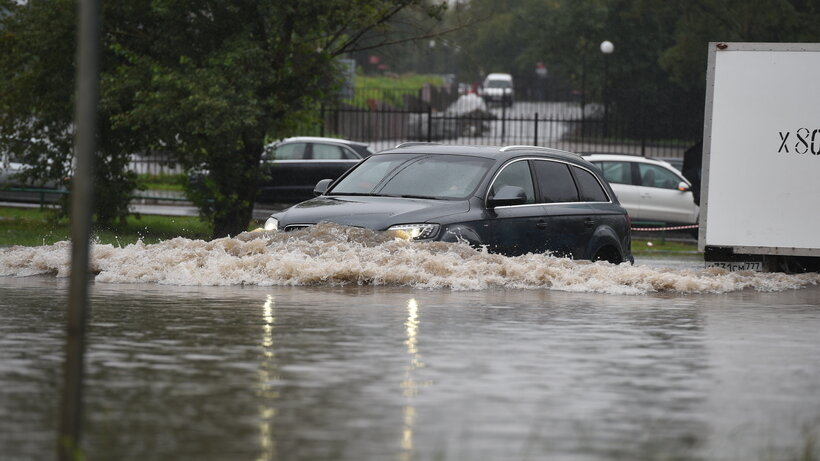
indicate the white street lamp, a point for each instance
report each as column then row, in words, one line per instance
column 606, row 48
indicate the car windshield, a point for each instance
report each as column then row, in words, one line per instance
column 418, row 176
column 499, row 84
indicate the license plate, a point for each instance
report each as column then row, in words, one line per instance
column 734, row 266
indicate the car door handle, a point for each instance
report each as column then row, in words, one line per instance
column 589, row 222
column 541, row 224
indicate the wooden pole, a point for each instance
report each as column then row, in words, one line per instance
column 82, row 190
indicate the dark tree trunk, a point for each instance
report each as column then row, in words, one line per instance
column 234, row 221
column 237, row 213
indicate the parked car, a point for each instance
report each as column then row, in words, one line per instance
column 295, row 165
column 513, row 200
column 12, row 171
column 649, row 189
column 498, row 88
column 9, row 170
column 677, row 163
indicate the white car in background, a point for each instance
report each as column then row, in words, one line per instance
column 10, row 168
column 498, row 88
column 649, row 189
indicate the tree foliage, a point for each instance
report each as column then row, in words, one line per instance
column 660, row 45
column 37, row 50
column 706, row 21
column 658, row 41
column 209, row 82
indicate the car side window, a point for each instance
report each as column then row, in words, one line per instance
column 656, row 176
column 351, row 154
column 555, row 182
column 616, row 172
column 361, row 151
column 515, row 174
column 292, row 151
column 588, row 186
column 328, row 152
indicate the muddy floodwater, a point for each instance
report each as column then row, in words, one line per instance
column 322, row 346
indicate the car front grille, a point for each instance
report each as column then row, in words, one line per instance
column 295, row 227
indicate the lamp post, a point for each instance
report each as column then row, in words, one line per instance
column 431, row 53
column 606, row 48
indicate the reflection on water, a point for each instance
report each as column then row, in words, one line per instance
column 409, row 385
column 268, row 374
column 374, row 373
column 328, row 254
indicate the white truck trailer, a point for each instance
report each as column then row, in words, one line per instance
column 760, row 185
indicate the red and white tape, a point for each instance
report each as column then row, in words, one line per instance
column 649, row 229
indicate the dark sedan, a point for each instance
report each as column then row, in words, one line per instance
column 511, row 200
column 294, row 165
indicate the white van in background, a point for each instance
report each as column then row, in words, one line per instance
column 498, row 89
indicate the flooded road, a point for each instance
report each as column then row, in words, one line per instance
column 184, row 365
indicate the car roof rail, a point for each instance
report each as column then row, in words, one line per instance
column 525, row 147
column 416, row 143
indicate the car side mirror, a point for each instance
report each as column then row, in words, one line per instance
column 507, row 196
column 683, row 187
column 321, row 187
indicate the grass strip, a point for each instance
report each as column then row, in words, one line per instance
column 648, row 247
column 35, row 226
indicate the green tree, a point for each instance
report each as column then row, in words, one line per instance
column 700, row 22
column 37, row 49
column 657, row 71
column 208, row 82
column 488, row 45
column 704, row 21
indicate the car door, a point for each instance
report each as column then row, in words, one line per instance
column 569, row 223
column 622, row 177
column 285, row 180
column 516, row 229
column 296, row 167
column 601, row 212
column 661, row 200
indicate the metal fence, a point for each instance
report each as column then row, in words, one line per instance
column 637, row 122
column 563, row 125
column 154, row 165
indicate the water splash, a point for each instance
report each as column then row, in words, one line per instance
column 328, row 254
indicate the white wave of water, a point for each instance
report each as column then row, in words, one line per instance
column 328, row 254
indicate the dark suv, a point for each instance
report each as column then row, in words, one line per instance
column 511, row 200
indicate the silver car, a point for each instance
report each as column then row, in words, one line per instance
column 649, row 189
column 10, row 169
column 295, row 165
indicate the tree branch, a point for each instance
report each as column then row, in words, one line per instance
column 404, row 40
column 384, row 18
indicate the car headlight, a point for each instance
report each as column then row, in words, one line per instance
column 414, row 231
column 272, row 224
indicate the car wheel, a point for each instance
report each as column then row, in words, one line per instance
column 609, row 254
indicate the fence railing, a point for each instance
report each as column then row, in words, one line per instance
column 570, row 123
column 155, row 164
column 566, row 126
